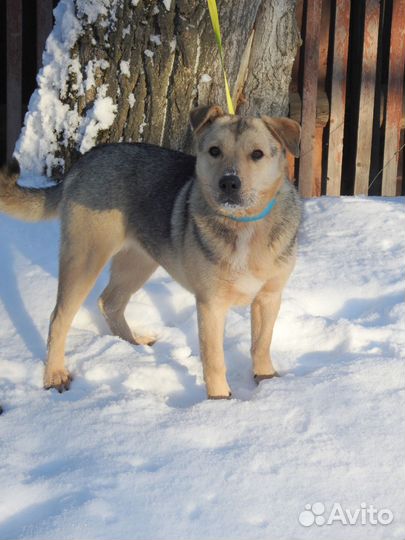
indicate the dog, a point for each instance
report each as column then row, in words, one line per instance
column 223, row 224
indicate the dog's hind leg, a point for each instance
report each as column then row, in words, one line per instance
column 88, row 242
column 130, row 268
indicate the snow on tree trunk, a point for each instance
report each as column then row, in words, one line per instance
column 131, row 70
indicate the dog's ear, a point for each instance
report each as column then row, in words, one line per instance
column 287, row 131
column 204, row 116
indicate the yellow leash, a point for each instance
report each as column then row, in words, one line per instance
column 212, row 7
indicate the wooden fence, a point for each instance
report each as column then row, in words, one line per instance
column 347, row 90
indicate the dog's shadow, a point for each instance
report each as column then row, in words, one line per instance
column 39, row 244
column 15, row 242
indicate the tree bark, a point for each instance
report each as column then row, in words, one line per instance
column 157, row 60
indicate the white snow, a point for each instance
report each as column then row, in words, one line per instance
column 167, row 4
column 47, row 116
column 125, row 68
column 99, row 117
column 131, row 100
column 156, row 39
column 92, row 69
column 205, row 78
column 134, row 450
column 143, row 125
column 148, row 53
column 93, row 9
column 48, row 120
column 173, row 44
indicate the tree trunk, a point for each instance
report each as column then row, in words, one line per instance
column 132, row 69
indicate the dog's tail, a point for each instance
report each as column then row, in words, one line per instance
column 28, row 204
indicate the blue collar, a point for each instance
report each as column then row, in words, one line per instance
column 265, row 212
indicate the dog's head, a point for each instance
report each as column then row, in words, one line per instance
column 240, row 159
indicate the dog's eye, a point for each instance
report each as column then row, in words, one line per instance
column 214, row 151
column 256, row 155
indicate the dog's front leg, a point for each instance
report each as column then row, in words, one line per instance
column 211, row 325
column 264, row 311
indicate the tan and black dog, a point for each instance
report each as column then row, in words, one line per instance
column 223, row 224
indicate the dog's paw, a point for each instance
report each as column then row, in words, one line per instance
column 259, row 378
column 144, row 340
column 229, row 396
column 218, row 388
column 60, row 380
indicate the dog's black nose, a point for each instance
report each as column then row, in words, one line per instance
column 229, row 184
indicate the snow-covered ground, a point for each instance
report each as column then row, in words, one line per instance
column 134, row 450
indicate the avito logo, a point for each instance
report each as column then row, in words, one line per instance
column 314, row 514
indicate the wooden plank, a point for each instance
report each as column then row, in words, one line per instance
column 322, row 71
column 317, row 183
column 402, row 171
column 324, row 43
column 294, row 87
column 14, row 72
column 309, row 96
column 394, row 99
column 382, row 108
column 401, row 165
column 44, row 26
column 367, row 92
column 322, row 108
column 290, row 167
column 338, row 98
column 295, row 73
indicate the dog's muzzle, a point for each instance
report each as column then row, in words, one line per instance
column 229, row 188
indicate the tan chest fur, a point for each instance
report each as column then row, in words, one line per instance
column 249, row 266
